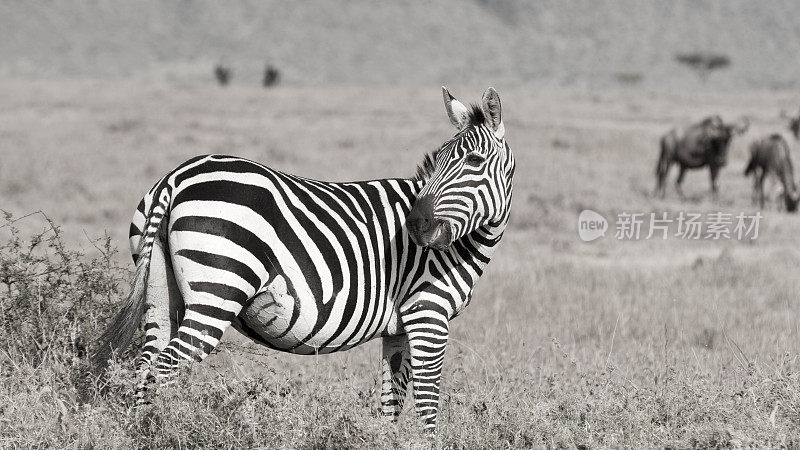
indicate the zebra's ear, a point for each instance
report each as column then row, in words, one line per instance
column 490, row 104
column 456, row 110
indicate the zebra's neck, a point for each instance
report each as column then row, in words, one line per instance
column 468, row 256
column 482, row 243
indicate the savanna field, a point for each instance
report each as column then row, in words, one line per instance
column 653, row 343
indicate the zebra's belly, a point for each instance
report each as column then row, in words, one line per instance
column 268, row 317
column 280, row 321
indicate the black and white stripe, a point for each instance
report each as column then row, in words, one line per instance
column 311, row 267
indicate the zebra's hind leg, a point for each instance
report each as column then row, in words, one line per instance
column 162, row 316
column 396, row 372
column 210, row 309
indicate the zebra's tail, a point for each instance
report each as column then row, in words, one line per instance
column 119, row 334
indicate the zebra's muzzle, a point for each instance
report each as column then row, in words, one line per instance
column 442, row 236
column 426, row 230
column 438, row 237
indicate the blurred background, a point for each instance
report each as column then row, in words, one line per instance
column 560, row 43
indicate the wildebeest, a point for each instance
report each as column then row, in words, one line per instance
column 222, row 73
column 271, row 76
column 770, row 156
column 702, row 144
column 794, row 123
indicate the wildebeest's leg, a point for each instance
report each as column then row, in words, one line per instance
column 661, row 177
column 427, row 327
column 759, row 186
column 714, row 171
column 754, row 196
column 396, row 373
column 679, row 180
column 662, row 169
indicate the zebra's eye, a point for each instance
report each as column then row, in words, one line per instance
column 474, row 159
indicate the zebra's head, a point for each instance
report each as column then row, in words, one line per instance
column 468, row 180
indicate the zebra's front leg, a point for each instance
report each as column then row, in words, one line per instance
column 395, row 374
column 427, row 327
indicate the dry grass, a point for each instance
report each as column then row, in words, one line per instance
column 609, row 344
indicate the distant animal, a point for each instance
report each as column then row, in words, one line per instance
column 223, row 74
column 271, row 76
column 770, row 157
column 311, row 267
column 702, row 144
column 794, row 123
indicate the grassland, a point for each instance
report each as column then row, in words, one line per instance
column 566, row 344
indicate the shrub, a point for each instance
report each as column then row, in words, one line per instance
column 52, row 299
column 703, row 62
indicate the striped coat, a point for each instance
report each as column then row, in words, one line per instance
column 309, row 267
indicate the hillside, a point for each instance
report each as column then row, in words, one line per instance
column 545, row 44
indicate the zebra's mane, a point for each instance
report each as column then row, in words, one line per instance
column 426, row 168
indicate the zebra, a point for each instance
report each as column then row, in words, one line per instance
column 310, row 267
